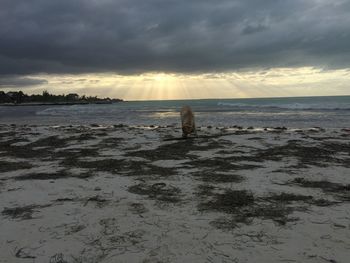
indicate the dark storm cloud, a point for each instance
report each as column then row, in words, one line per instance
column 17, row 81
column 131, row 36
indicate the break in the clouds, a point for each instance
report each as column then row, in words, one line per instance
column 127, row 36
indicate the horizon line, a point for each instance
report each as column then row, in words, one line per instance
column 218, row 98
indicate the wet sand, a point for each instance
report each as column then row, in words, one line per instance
column 137, row 194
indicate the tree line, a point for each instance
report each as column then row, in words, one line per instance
column 18, row 97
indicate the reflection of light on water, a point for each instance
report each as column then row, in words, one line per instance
column 165, row 114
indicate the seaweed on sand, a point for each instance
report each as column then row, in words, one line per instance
column 51, row 141
column 24, row 253
column 42, row 148
column 243, row 207
column 224, row 164
column 6, row 134
column 84, row 137
column 121, row 166
column 288, row 197
column 205, row 190
column 109, row 165
column 21, row 212
column 340, row 191
column 157, row 191
column 229, row 201
column 176, row 151
column 217, row 177
column 306, row 155
column 71, row 155
column 13, row 166
column 138, row 208
column 111, row 142
column 52, row 176
column 278, row 213
column 99, row 201
column 141, row 168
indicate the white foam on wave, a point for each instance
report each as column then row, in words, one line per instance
column 78, row 110
column 291, row 106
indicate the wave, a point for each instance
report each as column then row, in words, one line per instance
column 221, row 106
column 292, row 106
column 88, row 110
column 78, row 110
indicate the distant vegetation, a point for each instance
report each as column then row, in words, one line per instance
column 19, row 97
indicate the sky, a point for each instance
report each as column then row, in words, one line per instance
column 176, row 49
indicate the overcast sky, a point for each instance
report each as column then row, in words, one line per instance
column 174, row 36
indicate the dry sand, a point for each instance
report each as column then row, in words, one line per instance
column 126, row 194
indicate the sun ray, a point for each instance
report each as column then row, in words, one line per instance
column 277, row 82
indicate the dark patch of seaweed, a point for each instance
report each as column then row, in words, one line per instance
column 243, row 207
column 214, row 176
column 224, row 164
column 176, row 151
column 205, row 190
column 63, row 174
column 13, row 166
column 21, row 212
column 229, row 201
column 111, row 142
column 319, row 155
column 288, row 197
column 340, row 191
column 47, row 147
column 157, row 191
column 121, row 166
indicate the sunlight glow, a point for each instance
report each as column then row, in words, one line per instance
column 278, row 82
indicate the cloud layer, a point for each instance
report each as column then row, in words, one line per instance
column 134, row 36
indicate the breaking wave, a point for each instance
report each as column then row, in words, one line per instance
column 292, row 106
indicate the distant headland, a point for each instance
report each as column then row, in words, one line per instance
column 17, row 98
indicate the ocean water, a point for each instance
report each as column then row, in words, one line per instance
column 299, row 112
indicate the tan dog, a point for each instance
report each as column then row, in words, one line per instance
column 187, row 121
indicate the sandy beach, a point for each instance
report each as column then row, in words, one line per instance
column 136, row 194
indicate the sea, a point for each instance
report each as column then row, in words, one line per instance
column 296, row 112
